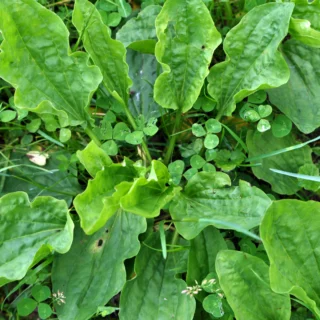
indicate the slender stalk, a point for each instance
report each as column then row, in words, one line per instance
column 175, row 237
column 173, row 138
column 58, row 3
column 92, row 135
column 228, row 11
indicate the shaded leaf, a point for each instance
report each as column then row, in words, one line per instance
column 26, row 306
column 41, row 293
column 30, row 231
column 290, row 233
column 187, row 38
column 299, row 99
column 140, row 33
column 90, row 274
column 262, row 143
column 241, row 277
column 155, row 293
column 35, row 60
column 253, row 61
column 206, row 197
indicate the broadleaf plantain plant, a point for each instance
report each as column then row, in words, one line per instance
column 148, row 172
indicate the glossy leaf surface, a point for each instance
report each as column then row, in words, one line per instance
column 31, row 231
column 253, row 61
column 90, row 274
column 299, row 99
column 290, row 233
column 245, row 281
column 108, row 54
column 187, row 38
column 35, row 60
column 207, row 200
column 264, row 143
column 140, row 33
column 155, row 293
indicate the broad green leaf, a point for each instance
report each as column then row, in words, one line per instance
column 31, row 231
column 35, row 60
column 207, row 200
column 202, row 255
column 305, row 22
column 108, row 54
column 187, row 38
column 139, row 33
column 253, row 61
column 290, row 233
column 245, row 281
column 155, row 293
column 281, row 126
column 143, row 72
column 7, row 115
column 213, row 305
column 92, row 272
column 93, row 205
column 262, row 143
column 94, row 158
column 299, row 99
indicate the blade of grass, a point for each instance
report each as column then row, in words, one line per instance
column 274, row 153
column 296, row 175
column 236, row 137
column 163, row 240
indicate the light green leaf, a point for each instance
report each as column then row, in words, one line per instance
column 135, row 137
column 139, row 33
column 312, row 171
column 106, row 53
column 64, row 135
column 110, row 147
column 120, row 131
column 262, row 143
column 245, row 281
column 206, row 197
column 253, row 61
column 31, row 231
column 299, row 99
column 213, row 305
column 197, row 162
column 147, row 197
column 301, row 30
column 35, row 60
column 187, row 38
column 94, row 158
column 202, row 255
column 7, row 115
column 93, row 205
column 198, row 130
column 305, row 22
column 211, row 141
column 155, row 293
column 90, row 274
column 263, row 125
column 281, row 126
column 290, row 233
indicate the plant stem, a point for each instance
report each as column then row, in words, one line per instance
column 228, row 11
column 58, row 3
column 175, row 237
column 173, row 138
column 92, row 135
column 134, row 126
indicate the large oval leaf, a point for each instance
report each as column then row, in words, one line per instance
column 35, row 60
column 253, row 61
column 264, row 143
column 108, row 54
column 30, row 231
column 92, row 272
column 299, row 99
column 290, row 233
column 207, row 200
column 155, row 293
column 187, row 38
column 245, row 282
